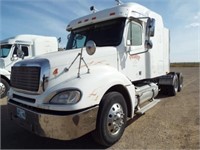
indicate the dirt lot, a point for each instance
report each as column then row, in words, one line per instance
column 174, row 123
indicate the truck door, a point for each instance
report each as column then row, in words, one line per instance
column 14, row 56
column 136, row 50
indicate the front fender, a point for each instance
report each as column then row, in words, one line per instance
column 94, row 85
column 6, row 73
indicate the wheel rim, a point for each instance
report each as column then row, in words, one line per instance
column 2, row 88
column 115, row 119
column 181, row 82
column 176, row 85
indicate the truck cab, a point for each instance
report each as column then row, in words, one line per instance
column 21, row 47
column 116, row 63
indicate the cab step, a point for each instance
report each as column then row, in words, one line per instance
column 147, row 107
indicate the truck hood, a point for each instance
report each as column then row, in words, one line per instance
column 60, row 58
column 65, row 58
column 60, row 62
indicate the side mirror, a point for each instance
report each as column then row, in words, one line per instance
column 90, row 47
column 68, row 36
column 14, row 57
column 150, row 28
column 20, row 53
column 148, row 44
column 59, row 39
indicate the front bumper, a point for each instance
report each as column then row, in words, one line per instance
column 62, row 127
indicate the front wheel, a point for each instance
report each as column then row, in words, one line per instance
column 111, row 120
column 4, row 87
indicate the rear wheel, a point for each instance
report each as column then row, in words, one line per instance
column 4, row 87
column 173, row 89
column 111, row 120
column 180, row 81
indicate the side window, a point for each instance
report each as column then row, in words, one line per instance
column 79, row 41
column 25, row 50
column 134, row 34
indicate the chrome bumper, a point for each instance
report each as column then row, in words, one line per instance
column 63, row 127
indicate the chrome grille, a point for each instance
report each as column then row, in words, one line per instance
column 25, row 78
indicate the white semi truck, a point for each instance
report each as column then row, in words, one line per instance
column 116, row 63
column 30, row 45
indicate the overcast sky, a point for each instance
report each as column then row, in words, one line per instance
column 50, row 17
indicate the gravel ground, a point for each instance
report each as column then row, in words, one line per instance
column 172, row 124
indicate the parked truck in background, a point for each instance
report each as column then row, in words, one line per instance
column 30, row 45
column 116, row 63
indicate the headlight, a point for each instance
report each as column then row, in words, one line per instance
column 66, row 97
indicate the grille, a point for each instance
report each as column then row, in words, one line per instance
column 25, row 78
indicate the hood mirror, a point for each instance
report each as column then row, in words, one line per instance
column 14, row 57
column 90, row 47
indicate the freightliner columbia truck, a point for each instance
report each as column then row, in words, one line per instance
column 31, row 45
column 116, row 63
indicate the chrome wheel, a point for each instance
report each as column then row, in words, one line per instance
column 115, row 119
column 176, row 85
column 2, row 88
column 180, row 81
column 111, row 119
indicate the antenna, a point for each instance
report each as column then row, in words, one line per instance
column 118, row 2
column 92, row 8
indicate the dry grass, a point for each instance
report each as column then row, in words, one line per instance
column 186, row 64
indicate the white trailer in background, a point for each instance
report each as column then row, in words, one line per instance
column 116, row 63
column 31, row 45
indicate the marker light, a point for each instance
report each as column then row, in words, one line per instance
column 55, row 72
column 112, row 14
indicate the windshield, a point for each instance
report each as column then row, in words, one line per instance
column 107, row 33
column 5, row 49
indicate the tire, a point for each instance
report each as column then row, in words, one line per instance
column 173, row 89
column 4, row 87
column 111, row 119
column 180, row 81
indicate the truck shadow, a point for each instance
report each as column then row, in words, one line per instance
column 84, row 142
column 15, row 137
column 136, row 117
column 160, row 96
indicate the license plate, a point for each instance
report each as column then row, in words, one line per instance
column 21, row 113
